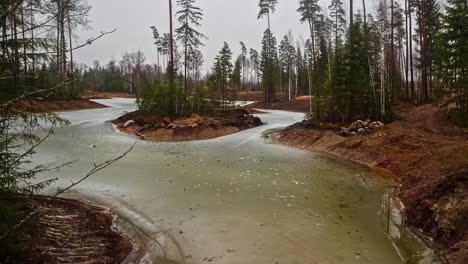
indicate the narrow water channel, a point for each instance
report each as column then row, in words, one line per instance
column 236, row 199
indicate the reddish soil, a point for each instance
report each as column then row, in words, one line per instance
column 109, row 95
column 148, row 126
column 426, row 154
column 297, row 105
column 257, row 96
column 72, row 231
column 55, row 105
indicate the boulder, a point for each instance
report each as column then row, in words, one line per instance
column 345, row 132
column 166, row 120
column 354, row 126
column 257, row 121
column 366, row 123
column 353, row 133
column 380, row 124
column 128, row 123
column 374, row 125
column 361, row 130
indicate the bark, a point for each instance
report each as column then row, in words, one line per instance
column 72, row 70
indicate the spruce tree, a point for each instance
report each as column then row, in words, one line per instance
column 189, row 17
column 268, row 63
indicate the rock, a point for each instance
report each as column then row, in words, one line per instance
column 353, row 133
column 128, row 123
column 166, row 120
column 162, row 125
column 257, row 121
column 374, row 125
column 361, row 130
column 354, row 126
column 345, row 132
column 194, row 125
column 366, row 123
column 380, row 124
column 145, row 127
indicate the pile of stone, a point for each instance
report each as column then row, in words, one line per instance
column 360, row 127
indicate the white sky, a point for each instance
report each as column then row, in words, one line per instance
column 224, row 20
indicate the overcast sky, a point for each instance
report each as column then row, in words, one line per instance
column 224, row 20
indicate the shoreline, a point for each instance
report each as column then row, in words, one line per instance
column 61, row 105
column 424, row 154
column 76, row 230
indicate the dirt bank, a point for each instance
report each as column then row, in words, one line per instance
column 299, row 105
column 148, row 126
column 425, row 153
column 258, row 96
column 56, row 105
column 109, row 95
column 73, row 231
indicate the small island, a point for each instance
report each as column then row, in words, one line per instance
column 186, row 127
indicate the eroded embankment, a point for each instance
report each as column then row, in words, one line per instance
column 426, row 154
column 73, row 231
column 59, row 105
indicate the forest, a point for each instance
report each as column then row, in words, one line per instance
column 360, row 63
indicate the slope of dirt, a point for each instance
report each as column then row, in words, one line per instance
column 109, row 95
column 56, row 105
column 72, row 231
column 299, row 105
column 186, row 128
column 426, row 154
column 258, row 96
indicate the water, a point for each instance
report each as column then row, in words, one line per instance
column 235, row 199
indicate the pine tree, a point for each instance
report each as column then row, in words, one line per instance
column 268, row 63
column 189, row 17
column 427, row 19
column 244, row 62
column 223, row 70
column 310, row 10
column 267, row 7
column 287, row 54
column 337, row 13
column 452, row 56
column 255, row 62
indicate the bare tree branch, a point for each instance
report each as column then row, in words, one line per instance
column 93, row 171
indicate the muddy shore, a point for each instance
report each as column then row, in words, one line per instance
column 425, row 153
column 74, row 231
column 109, row 95
column 148, row 126
column 61, row 105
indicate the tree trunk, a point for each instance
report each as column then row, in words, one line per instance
column 25, row 58
column 33, row 57
column 411, row 51
column 72, row 70
column 407, row 52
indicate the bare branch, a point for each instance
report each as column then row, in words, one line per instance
column 93, row 171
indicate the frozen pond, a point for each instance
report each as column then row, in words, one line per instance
column 235, row 199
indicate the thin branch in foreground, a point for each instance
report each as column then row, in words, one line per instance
column 93, row 171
